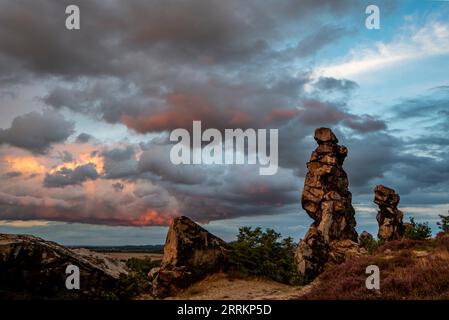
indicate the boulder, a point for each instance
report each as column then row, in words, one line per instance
column 389, row 217
column 190, row 254
column 365, row 237
column 32, row 268
column 327, row 200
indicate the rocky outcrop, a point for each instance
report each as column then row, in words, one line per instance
column 32, row 268
column 327, row 200
column 389, row 217
column 190, row 254
column 365, row 237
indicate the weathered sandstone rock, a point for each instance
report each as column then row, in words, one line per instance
column 190, row 254
column 32, row 268
column 327, row 200
column 389, row 217
column 365, row 237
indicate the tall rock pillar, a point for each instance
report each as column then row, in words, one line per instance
column 327, row 200
column 389, row 217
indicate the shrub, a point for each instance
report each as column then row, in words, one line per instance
column 370, row 244
column 142, row 266
column 444, row 223
column 264, row 254
column 417, row 231
column 136, row 282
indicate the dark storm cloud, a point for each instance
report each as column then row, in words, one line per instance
column 66, row 177
column 231, row 196
column 12, row 174
column 36, row 132
column 219, row 103
column 119, row 154
column 312, row 44
column 67, row 156
column 118, row 186
column 158, row 65
column 83, row 138
column 190, row 31
column 34, row 39
column 157, row 162
column 332, row 84
column 365, row 123
column 120, row 162
column 369, row 157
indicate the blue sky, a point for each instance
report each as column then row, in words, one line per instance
column 85, row 115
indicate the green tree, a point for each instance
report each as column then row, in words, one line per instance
column 417, row 231
column 444, row 223
column 264, row 254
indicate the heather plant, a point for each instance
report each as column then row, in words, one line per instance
column 412, row 269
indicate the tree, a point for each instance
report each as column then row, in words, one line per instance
column 444, row 223
column 264, row 254
column 417, row 231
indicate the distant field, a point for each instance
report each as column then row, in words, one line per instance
column 129, row 255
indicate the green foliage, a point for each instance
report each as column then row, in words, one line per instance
column 417, row 231
column 136, row 282
column 142, row 266
column 131, row 285
column 371, row 244
column 264, row 254
column 444, row 223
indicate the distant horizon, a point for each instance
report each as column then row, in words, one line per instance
column 289, row 228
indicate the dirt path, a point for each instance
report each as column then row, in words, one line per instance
column 221, row 287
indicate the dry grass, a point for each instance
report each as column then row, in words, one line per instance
column 123, row 256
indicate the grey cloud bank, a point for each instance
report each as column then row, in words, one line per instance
column 152, row 67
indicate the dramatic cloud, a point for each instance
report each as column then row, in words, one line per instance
column 332, row 84
column 138, row 69
column 83, row 138
column 37, row 131
column 66, row 177
column 120, row 162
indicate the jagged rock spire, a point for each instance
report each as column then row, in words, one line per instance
column 389, row 217
column 327, row 200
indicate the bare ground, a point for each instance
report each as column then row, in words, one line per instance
column 223, row 287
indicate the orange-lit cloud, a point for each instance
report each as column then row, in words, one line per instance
column 83, row 159
column 153, row 218
column 24, row 164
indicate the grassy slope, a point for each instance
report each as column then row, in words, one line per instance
column 408, row 270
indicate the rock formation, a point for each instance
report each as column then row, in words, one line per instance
column 389, row 217
column 190, row 254
column 326, row 199
column 32, row 268
column 365, row 237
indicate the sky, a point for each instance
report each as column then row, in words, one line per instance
column 85, row 115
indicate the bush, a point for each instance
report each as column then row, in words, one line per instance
column 264, row 254
column 444, row 223
column 370, row 244
column 136, row 282
column 417, row 231
column 142, row 266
